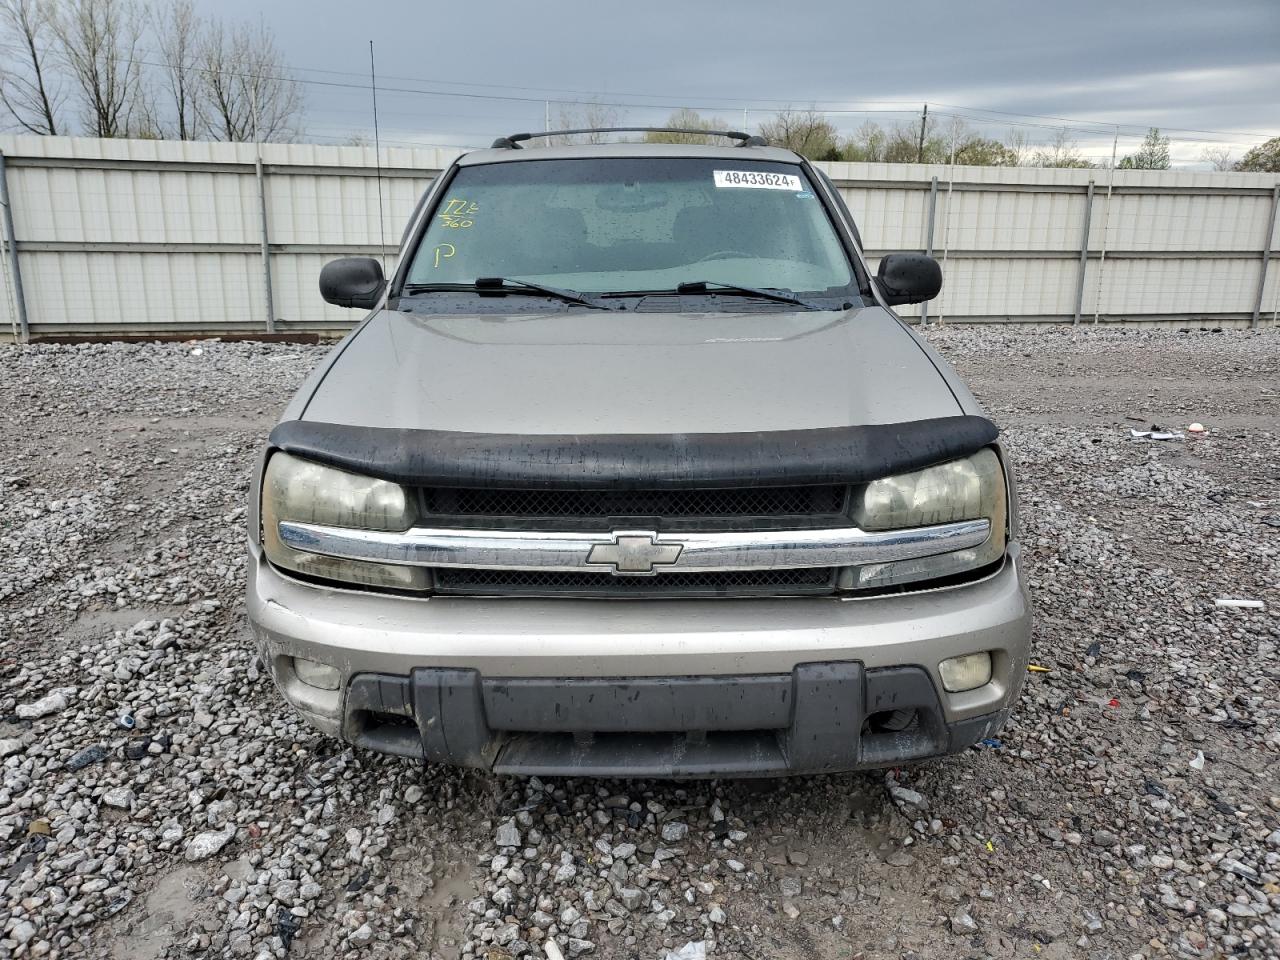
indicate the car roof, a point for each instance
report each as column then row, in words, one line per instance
column 590, row 151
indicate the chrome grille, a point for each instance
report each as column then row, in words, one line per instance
column 746, row 503
column 739, row 583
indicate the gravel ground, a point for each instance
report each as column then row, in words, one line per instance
column 158, row 801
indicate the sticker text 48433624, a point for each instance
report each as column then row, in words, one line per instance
column 757, row 179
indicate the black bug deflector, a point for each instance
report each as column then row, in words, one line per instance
column 856, row 454
column 819, row 718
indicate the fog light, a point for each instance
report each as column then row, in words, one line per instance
column 319, row 675
column 969, row 672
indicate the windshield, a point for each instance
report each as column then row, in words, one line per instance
column 635, row 224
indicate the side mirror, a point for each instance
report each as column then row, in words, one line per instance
column 352, row 282
column 909, row 278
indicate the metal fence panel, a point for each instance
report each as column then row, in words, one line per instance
column 134, row 236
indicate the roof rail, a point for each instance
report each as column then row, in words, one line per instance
column 513, row 142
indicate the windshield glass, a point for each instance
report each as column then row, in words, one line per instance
column 632, row 224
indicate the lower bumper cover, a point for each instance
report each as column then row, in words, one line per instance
column 822, row 717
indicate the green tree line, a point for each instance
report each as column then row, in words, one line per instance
column 812, row 135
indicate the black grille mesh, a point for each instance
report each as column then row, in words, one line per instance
column 804, row 501
column 737, row 582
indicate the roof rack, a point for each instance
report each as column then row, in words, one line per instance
column 746, row 139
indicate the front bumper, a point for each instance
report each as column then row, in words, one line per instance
column 645, row 687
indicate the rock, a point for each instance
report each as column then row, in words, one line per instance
column 694, row 950
column 798, row 858
column 565, row 872
column 580, row 948
column 962, row 922
column 204, row 845
column 791, row 887
column 632, row 898
column 1104, row 838
column 716, row 915
column 508, row 835
column 50, row 703
column 23, row 932
column 119, row 798
column 910, row 799
column 95, row 753
column 900, row 858
column 737, row 866
column 623, row 851
column 361, row 934
column 1228, row 865
column 674, row 831
column 413, row 794
column 8, row 747
column 949, row 894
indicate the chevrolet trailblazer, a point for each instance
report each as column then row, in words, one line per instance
column 633, row 470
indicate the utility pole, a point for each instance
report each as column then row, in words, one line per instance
column 924, row 117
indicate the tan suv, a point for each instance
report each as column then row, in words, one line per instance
column 747, row 524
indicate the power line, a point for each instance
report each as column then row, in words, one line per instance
column 1107, row 124
column 758, row 104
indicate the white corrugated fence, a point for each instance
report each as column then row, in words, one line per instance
column 138, row 236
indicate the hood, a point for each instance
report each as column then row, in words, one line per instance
column 592, row 372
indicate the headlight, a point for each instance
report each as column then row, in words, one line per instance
column 294, row 489
column 968, row 489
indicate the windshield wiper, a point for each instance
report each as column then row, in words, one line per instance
column 731, row 289
column 493, row 285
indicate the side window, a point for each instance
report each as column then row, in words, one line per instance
column 844, row 208
column 417, row 209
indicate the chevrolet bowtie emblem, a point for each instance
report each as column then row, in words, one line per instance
column 634, row 554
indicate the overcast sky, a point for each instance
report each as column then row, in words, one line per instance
column 1203, row 65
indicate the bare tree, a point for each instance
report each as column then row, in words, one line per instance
column 867, row 144
column 177, row 30
column 1018, row 146
column 1219, row 157
column 584, row 116
column 686, row 119
column 24, row 72
column 99, row 45
column 247, row 91
column 807, row 132
column 1063, row 151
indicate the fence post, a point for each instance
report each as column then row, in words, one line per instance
column 266, row 244
column 1084, row 252
column 928, row 242
column 1266, row 256
column 11, row 242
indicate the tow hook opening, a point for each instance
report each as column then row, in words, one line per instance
column 891, row 721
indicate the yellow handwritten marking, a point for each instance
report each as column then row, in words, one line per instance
column 445, row 246
column 457, row 212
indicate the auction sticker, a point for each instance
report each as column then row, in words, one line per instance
column 757, row 179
